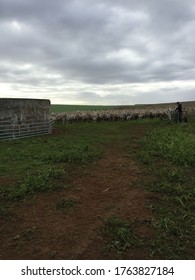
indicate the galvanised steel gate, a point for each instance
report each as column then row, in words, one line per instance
column 9, row 130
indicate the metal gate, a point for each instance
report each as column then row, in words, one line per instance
column 10, row 130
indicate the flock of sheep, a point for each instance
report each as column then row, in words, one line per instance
column 110, row 115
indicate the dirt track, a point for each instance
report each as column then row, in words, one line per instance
column 110, row 187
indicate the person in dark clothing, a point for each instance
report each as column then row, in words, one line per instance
column 179, row 111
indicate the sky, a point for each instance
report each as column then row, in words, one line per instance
column 105, row 52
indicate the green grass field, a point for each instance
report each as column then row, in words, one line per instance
column 57, row 108
column 163, row 152
column 72, row 108
column 169, row 154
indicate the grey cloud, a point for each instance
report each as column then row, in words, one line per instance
column 92, row 42
column 94, row 98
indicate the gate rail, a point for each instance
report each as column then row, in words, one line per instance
column 10, row 130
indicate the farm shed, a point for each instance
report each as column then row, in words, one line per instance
column 21, row 118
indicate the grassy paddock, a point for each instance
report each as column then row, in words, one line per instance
column 57, row 108
column 45, row 163
column 72, row 108
column 175, row 143
column 169, row 153
column 163, row 151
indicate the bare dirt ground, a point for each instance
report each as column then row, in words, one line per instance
column 109, row 187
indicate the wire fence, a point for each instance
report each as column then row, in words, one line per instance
column 9, row 130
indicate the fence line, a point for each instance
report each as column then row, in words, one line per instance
column 9, row 130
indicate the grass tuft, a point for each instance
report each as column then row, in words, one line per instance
column 76, row 154
column 66, row 204
column 119, row 234
column 34, row 183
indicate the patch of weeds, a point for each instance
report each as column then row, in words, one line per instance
column 174, row 209
column 58, row 173
column 76, row 154
column 187, row 200
column 174, row 175
column 66, row 204
column 119, row 234
column 144, row 157
column 176, row 144
column 164, row 187
column 175, row 233
column 174, row 214
column 34, row 183
column 174, row 186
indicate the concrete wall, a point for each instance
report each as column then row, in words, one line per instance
column 24, row 117
column 20, row 111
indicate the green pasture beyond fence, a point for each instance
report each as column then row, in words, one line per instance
column 72, row 108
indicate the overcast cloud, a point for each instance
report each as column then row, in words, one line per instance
column 98, row 52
